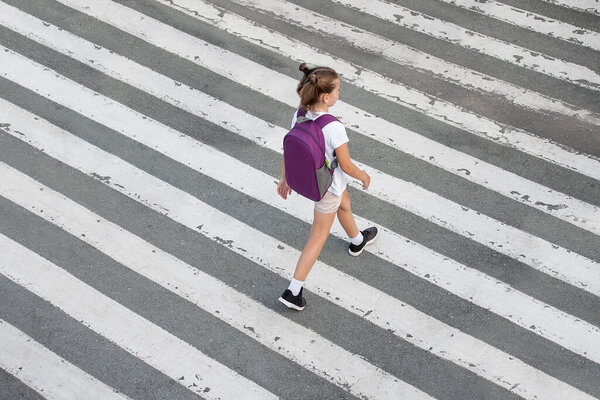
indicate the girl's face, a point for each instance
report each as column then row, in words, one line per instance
column 332, row 97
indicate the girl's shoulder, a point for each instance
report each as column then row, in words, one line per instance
column 335, row 134
column 335, row 121
column 335, row 126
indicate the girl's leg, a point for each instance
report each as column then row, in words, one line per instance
column 344, row 214
column 318, row 236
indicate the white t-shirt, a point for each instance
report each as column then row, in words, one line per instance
column 335, row 136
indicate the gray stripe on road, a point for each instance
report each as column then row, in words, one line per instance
column 585, row 20
column 13, row 388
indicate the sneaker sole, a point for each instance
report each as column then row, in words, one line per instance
column 358, row 253
column 290, row 305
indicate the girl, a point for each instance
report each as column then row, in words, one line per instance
column 319, row 89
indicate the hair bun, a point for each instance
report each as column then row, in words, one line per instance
column 303, row 68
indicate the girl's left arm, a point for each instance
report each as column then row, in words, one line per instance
column 343, row 156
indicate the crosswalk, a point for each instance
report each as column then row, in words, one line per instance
column 143, row 246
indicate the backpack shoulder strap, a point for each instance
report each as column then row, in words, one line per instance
column 325, row 120
column 322, row 122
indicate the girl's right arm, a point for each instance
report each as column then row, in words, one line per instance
column 283, row 189
column 343, row 156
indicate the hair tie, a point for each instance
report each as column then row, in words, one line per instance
column 315, row 70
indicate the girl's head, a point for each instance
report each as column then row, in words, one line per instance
column 318, row 86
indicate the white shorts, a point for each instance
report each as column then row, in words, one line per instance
column 328, row 204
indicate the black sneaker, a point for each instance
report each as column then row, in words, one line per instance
column 291, row 301
column 369, row 236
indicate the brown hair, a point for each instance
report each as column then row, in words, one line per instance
column 314, row 83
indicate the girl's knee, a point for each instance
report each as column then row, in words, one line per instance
column 345, row 204
column 318, row 236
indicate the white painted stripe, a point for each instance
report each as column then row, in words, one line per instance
column 369, row 303
column 136, row 335
column 276, row 85
column 537, row 253
column 455, row 34
column 532, row 21
column 50, row 375
column 510, row 185
column 589, row 6
column 303, row 346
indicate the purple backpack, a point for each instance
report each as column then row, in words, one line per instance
column 306, row 169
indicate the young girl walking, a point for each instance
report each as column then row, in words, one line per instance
column 319, row 89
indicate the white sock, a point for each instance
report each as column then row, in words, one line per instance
column 295, row 286
column 357, row 239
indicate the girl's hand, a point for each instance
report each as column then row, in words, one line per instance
column 366, row 180
column 283, row 189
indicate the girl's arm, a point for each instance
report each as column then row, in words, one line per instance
column 283, row 188
column 343, row 156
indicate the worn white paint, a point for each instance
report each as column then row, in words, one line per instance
column 397, row 52
column 47, row 373
column 455, row 34
column 395, row 91
column 535, row 22
column 290, row 47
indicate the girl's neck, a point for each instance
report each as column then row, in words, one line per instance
column 319, row 108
